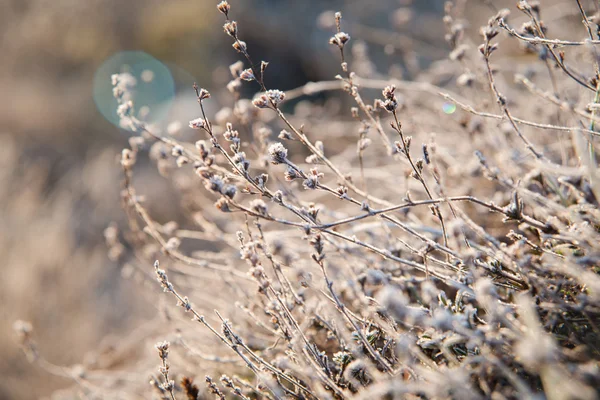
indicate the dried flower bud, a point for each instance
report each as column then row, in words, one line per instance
column 118, row 92
column 320, row 146
column 523, row 6
column 261, row 180
column 465, row 79
column 319, row 245
column 202, row 149
column 528, row 28
column 285, row 135
column 263, row 66
column 214, row 184
column 203, row 172
column 226, row 381
column 278, row 153
column 342, row 191
column 240, row 46
column 339, row 39
column 489, row 32
column 173, row 244
column 278, row 196
column 168, row 386
column 363, row 144
column 127, row 158
column 230, row 28
column 247, row 75
column 291, row 174
column 161, row 277
column 364, row 206
column 203, row 94
column 23, row 329
column 230, row 134
column 388, row 92
column 312, row 181
column 181, row 161
column 177, row 151
column 459, row 53
column 163, row 349
column 261, row 101
column 426, row 154
column 275, row 96
column 313, row 159
column 223, row 205
column 185, row 304
column 125, row 110
column 259, row 207
column 224, row 7
column 240, row 160
column 198, row 123
column 419, row 165
column 390, row 105
column 313, row 211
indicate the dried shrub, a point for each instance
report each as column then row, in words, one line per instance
column 387, row 250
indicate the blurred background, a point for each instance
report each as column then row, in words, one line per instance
column 59, row 174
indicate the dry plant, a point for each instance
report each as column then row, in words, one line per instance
column 388, row 250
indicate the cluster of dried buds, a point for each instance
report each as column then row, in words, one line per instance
column 269, row 99
column 389, row 102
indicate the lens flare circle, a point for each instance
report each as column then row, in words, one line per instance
column 449, row 108
column 152, row 95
